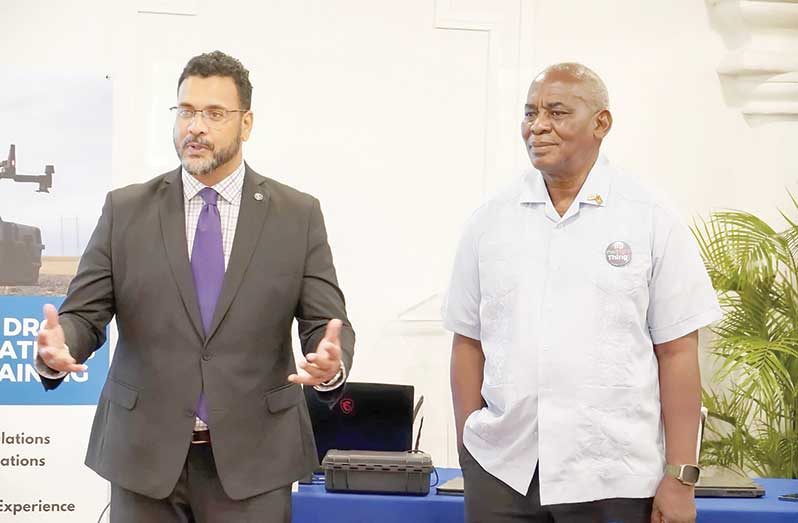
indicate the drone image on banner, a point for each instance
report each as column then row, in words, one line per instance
column 21, row 245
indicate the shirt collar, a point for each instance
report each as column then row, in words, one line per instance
column 595, row 190
column 229, row 188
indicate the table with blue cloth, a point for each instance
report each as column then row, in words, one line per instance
column 313, row 504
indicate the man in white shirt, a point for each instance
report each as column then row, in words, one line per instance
column 575, row 303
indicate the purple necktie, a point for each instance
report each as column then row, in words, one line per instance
column 207, row 265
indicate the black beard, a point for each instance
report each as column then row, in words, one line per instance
column 219, row 157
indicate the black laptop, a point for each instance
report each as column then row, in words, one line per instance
column 369, row 416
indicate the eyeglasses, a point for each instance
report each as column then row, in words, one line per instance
column 209, row 114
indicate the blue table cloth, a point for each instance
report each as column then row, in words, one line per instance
column 313, row 504
column 767, row 509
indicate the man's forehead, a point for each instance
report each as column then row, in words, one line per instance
column 211, row 89
column 553, row 91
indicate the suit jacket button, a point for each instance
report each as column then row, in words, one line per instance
column 206, row 357
column 189, row 413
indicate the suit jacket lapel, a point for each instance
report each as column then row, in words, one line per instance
column 251, row 217
column 173, row 229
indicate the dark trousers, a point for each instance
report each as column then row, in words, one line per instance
column 488, row 500
column 198, row 498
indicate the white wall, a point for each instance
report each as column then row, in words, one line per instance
column 402, row 116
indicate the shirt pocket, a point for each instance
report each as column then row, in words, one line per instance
column 626, row 280
column 500, row 261
column 613, row 277
column 498, row 276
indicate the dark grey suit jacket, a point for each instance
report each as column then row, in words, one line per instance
column 136, row 267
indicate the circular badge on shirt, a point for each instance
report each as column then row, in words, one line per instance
column 618, row 253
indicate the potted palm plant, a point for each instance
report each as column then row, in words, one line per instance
column 753, row 417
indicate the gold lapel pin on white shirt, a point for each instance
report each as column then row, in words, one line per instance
column 596, row 198
column 258, row 196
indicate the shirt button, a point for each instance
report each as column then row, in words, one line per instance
column 206, row 356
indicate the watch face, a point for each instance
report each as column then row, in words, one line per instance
column 690, row 474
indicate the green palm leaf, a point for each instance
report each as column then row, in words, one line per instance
column 753, row 424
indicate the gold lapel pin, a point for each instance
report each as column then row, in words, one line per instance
column 258, row 196
column 596, row 198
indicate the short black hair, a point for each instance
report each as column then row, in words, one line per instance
column 217, row 63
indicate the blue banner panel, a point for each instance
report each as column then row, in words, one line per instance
column 20, row 384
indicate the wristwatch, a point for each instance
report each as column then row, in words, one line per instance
column 686, row 474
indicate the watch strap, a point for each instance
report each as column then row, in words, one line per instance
column 677, row 471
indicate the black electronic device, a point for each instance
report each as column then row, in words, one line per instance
column 368, row 416
column 377, row 472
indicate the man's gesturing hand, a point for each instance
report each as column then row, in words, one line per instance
column 321, row 366
column 52, row 350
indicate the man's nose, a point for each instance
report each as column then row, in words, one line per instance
column 540, row 124
column 197, row 124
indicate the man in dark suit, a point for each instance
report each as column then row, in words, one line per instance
column 202, row 415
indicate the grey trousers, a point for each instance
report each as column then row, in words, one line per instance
column 198, row 498
column 489, row 500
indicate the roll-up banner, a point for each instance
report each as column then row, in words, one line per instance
column 55, row 168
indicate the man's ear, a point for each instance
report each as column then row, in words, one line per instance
column 246, row 125
column 603, row 124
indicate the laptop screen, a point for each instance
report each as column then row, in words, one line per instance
column 369, row 416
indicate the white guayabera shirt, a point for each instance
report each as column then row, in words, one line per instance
column 567, row 310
